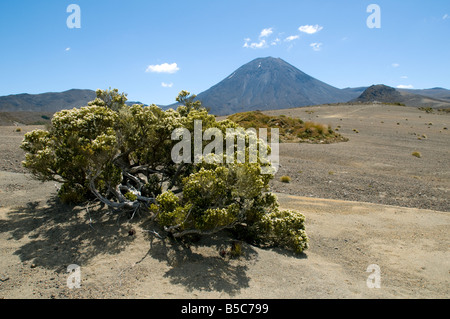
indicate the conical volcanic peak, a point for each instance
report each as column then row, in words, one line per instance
column 268, row 83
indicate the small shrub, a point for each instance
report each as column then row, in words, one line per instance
column 18, row 130
column 417, row 154
column 285, row 179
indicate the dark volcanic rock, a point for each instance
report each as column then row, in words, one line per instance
column 380, row 93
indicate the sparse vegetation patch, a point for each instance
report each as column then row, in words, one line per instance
column 291, row 130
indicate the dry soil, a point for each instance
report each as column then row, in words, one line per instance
column 367, row 202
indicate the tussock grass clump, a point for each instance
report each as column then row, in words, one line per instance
column 416, row 154
column 291, row 130
column 285, row 179
column 236, row 249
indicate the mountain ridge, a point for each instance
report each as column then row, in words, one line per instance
column 46, row 102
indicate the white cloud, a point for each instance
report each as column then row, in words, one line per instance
column 316, row 46
column 67, row 49
column 445, row 17
column 405, row 86
column 403, row 77
column 395, row 65
column 292, row 38
column 166, row 85
column 310, row 29
column 275, row 42
column 256, row 45
column 266, row 32
column 163, row 68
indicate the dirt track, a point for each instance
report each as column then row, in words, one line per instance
column 408, row 239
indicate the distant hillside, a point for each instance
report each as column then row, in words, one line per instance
column 46, row 102
column 25, row 118
column 386, row 94
column 268, row 83
column 131, row 103
column 435, row 93
column 355, row 92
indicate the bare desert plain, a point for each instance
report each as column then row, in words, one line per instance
column 367, row 201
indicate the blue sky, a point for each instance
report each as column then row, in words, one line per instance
column 154, row 49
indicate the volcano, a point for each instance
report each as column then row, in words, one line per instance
column 267, row 84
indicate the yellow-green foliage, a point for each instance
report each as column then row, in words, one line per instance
column 229, row 189
column 79, row 141
column 72, row 194
column 130, row 196
column 290, row 129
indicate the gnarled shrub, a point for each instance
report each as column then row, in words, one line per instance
column 123, row 156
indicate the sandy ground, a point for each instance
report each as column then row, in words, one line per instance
column 381, row 220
